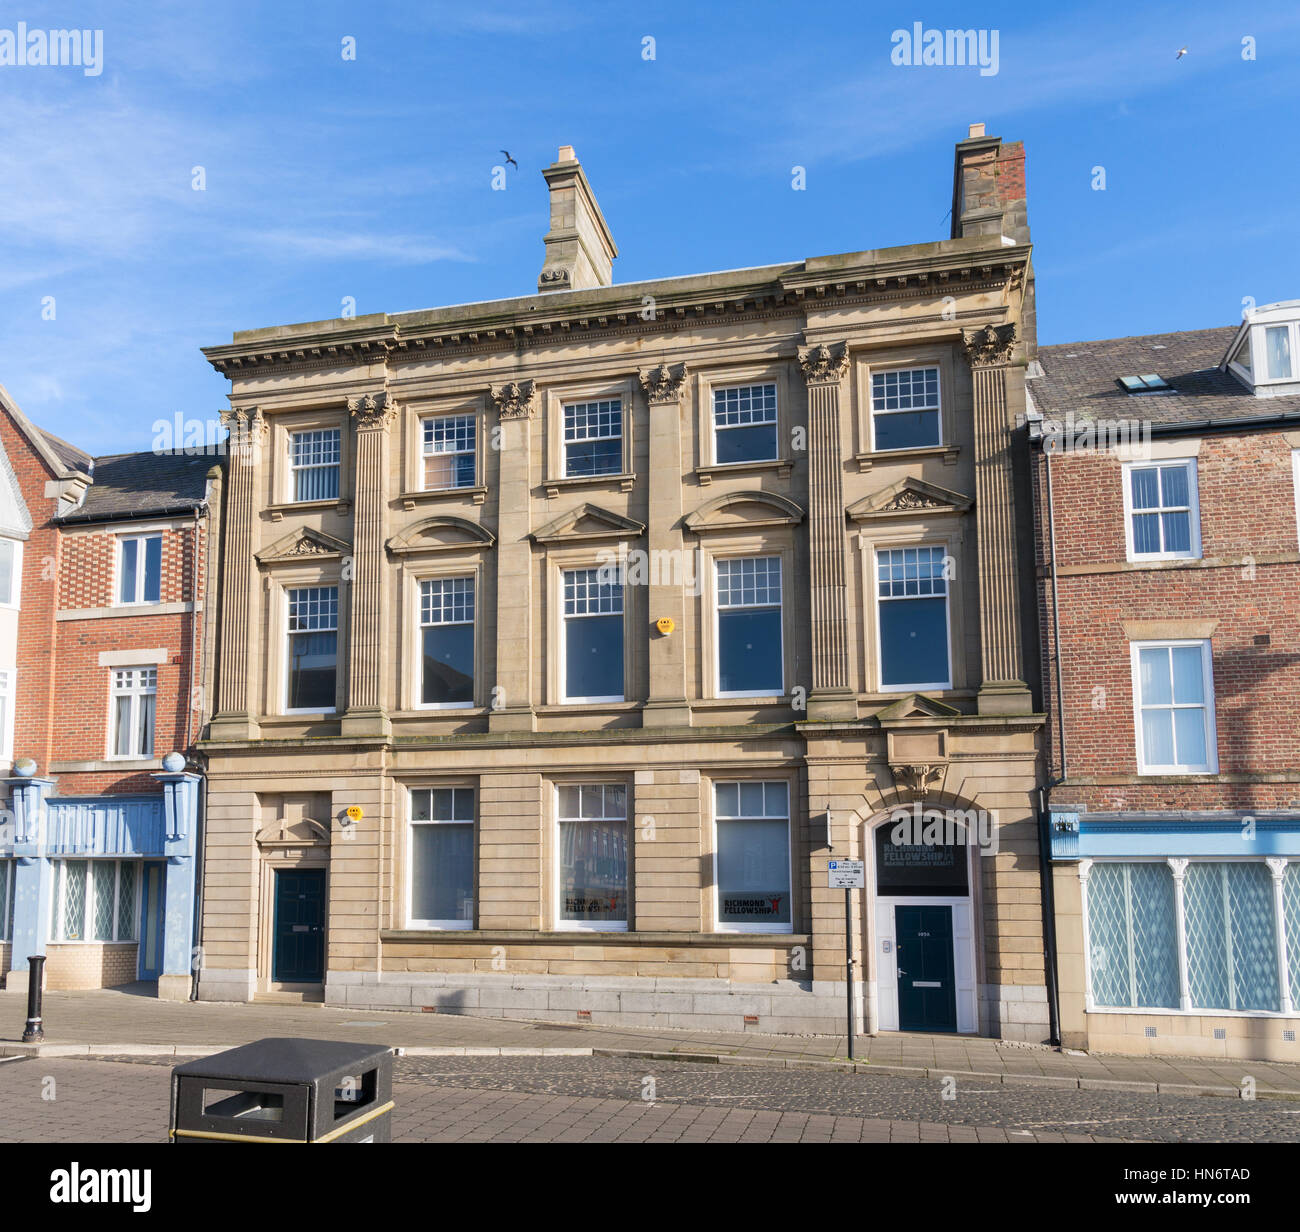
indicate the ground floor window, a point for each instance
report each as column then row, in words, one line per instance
column 593, row 855
column 1241, row 935
column 94, row 900
column 753, row 856
column 7, row 899
column 442, row 858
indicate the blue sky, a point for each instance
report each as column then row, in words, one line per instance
column 371, row 179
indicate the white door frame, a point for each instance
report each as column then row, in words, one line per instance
column 963, row 945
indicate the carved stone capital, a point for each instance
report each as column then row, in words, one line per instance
column 514, row 400
column 372, row 410
column 664, row 383
column 248, row 432
column 823, row 364
column 990, row 345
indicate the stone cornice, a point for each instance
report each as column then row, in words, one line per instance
column 824, row 364
column 663, row 383
column 514, row 400
column 990, row 345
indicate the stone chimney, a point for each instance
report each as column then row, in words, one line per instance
column 988, row 188
column 579, row 247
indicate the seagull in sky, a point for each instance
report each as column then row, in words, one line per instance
column 510, row 160
column 1182, row 51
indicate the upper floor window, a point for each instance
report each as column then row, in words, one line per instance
column 139, row 568
column 449, row 452
column 744, row 424
column 592, row 645
column 11, row 571
column 752, row 828
column 6, row 714
column 750, row 651
column 1174, row 707
column 905, row 408
column 94, row 900
column 1264, row 352
column 135, row 692
column 442, row 858
column 1163, row 520
column 447, row 633
column 314, row 463
column 593, row 438
column 912, row 613
column 1277, row 352
column 313, row 648
column 593, row 856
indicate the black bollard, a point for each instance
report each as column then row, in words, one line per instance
column 33, row 1033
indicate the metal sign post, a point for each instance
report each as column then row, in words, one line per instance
column 850, row 875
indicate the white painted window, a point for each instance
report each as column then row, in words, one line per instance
column 11, row 572
column 449, row 452
column 7, row 899
column 314, row 458
column 1162, row 519
column 592, row 856
column 440, row 871
column 1173, row 693
column 591, row 649
column 750, row 652
column 139, row 568
column 593, row 438
column 912, row 619
column 135, row 691
column 905, row 408
column 752, row 856
column 744, row 424
column 94, row 900
column 447, row 642
column 312, row 653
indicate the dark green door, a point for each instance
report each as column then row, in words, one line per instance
column 299, row 956
column 927, row 987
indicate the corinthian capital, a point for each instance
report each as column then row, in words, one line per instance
column 514, row 399
column 824, row 364
column 372, row 410
column 248, row 431
column 664, row 383
column 990, row 345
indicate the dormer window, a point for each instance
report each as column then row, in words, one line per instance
column 1263, row 355
column 1148, row 383
column 1277, row 352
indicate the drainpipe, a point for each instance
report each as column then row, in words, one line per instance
column 196, row 937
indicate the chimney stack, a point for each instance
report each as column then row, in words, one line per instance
column 579, row 247
column 988, row 188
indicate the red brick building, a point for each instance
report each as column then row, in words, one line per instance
column 103, row 569
column 1169, row 576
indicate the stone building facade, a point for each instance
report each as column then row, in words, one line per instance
column 565, row 639
column 1170, row 578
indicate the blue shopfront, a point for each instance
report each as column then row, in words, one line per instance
column 103, row 886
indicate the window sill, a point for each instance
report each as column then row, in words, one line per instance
column 477, row 494
column 632, row 937
column 588, row 707
column 720, row 470
column 740, row 699
column 624, row 479
column 276, row 512
column 948, row 453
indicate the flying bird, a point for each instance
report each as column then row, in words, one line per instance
column 1182, row 51
column 510, row 160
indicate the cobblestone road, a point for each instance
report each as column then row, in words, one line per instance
column 601, row 1099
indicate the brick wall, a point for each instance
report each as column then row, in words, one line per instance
column 90, row 965
column 1248, row 581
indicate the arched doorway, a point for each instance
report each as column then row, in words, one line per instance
column 921, row 917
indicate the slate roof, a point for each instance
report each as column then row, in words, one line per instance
column 71, row 457
column 131, row 484
column 1082, row 377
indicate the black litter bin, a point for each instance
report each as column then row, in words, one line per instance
column 285, row 1090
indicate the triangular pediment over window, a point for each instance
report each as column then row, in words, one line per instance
column 588, row 522
column 907, row 498
column 306, row 544
column 744, row 511
column 440, row 534
column 914, row 706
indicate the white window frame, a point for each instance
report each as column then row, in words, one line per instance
column 59, row 893
column 921, row 687
column 1207, row 677
column 1295, row 489
column 775, row 421
column 718, row 925
column 1259, row 357
column 719, row 607
column 937, row 408
column 16, row 576
column 132, row 683
column 565, row 442
column 427, row 452
column 8, row 879
column 140, row 570
column 1193, row 510
column 563, row 649
column 287, row 666
column 418, row 702
column 595, row 926
column 439, row 925
column 292, row 497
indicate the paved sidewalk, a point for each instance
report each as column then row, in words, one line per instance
column 123, row 1021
